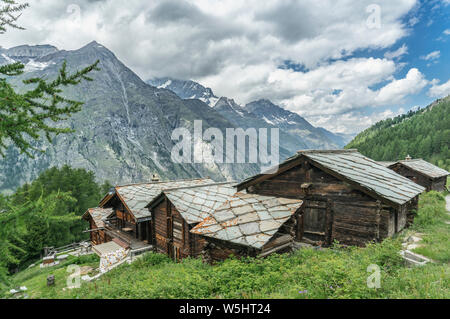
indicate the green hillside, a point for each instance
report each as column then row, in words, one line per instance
column 424, row 133
column 335, row 272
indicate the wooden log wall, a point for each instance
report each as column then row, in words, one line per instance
column 172, row 233
column 218, row 250
column 97, row 237
column 356, row 224
column 438, row 184
column 160, row 238
column 413, row 176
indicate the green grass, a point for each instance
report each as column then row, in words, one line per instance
column 431, row 223
column 35, row 278
column 335, row 272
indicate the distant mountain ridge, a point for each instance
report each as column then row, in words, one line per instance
column 186, row 89
column 124, row 131
column 272, row 115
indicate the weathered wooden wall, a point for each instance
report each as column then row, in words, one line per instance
column 97, row 236
column 122, row 217
column 413, row 176
column 438, row 184
column 160, row 237
column 218, row 250
column 172, row 233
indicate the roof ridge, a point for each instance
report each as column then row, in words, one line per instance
column 412, row 159
column 350, row 150
column 196, row 186
column 162, row 182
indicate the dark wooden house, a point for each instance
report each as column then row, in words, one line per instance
column 176, row 211
column 129, row 219
column 422, row 172
column 249, row 225
column 347, row 196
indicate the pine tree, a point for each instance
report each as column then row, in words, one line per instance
column 25, row 116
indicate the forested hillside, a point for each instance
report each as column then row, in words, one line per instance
column 46, row 212
column 424, row 133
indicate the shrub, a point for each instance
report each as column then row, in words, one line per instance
column 431, row 209
column 152, row 259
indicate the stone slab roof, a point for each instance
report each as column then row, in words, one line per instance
column 424, row 167
column 98, row 215
column 137, row 196
column 198, row 202
column 248, row 219
column 363, row 172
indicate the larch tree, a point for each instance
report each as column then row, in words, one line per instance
column 24, row 117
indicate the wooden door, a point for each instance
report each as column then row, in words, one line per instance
column 314, row 221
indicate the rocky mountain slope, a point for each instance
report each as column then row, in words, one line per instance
column 123, row 132
column 186, row 89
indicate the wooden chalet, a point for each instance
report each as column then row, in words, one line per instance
column 421, row 172
column 347, row 196
column 129, row 221
column 249, row 225
column 176, row 211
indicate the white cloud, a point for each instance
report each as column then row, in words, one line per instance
column 439, row 91
column 237, row 47
column 353, row 122
column 397, row 53
column 431, row 56
column 446, row 32
column 395, row 91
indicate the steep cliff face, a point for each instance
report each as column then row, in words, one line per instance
column 123, row 132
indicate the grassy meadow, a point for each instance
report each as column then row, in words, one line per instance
column 335, row 272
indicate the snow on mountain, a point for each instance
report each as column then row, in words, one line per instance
column 261, row 112
column 186, row 89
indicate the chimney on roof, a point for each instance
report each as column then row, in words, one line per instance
column 155, row 178
column 408, row 158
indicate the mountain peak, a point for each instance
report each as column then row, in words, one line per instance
column 93, row 45
column 225, row 101
column 264, row 105
column 186, row 89
column 96, row 50
column 30, row 51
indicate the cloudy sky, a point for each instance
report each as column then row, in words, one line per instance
column 342, row 65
